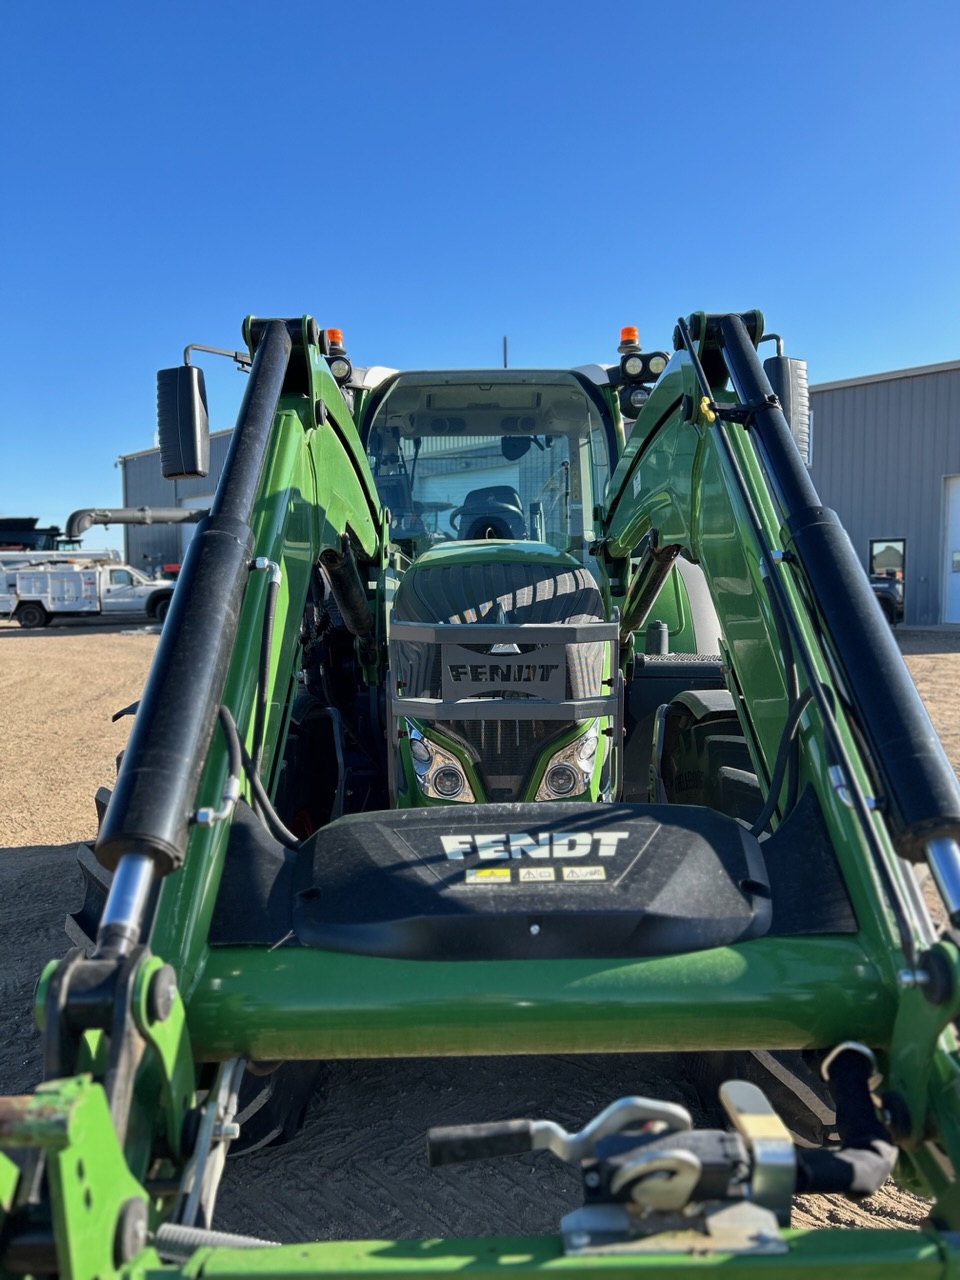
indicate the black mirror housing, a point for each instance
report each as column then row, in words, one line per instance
column 182, row 422
column 514, row 447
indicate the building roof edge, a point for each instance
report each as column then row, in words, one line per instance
column 946, row 367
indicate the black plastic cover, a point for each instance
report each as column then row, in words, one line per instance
column 531, row 881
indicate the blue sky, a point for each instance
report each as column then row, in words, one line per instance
column 431, row 176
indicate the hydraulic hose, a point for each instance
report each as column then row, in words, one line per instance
column 260, row 714
column 792, row 683
column 234, row 754
column 781, row 762
column 271, row 819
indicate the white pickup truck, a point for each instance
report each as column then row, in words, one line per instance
column 34, row 595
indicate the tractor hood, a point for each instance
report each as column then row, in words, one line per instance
column 473, row 581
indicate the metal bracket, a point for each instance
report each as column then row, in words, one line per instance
column 920, row 1022
column 774, row 1175
column 207, row 816
column 739, row 413
column 99, row 1210
column 204, row 1169
column 159, row 1014
column 614, row 1229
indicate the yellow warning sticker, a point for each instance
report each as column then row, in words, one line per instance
column 526, row 874
column 584, row 873
column 488, row 875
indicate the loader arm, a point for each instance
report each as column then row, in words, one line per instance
column 295, row 483
column 713, row 474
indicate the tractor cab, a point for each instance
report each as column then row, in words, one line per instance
column 503, row 653
column 506, row 455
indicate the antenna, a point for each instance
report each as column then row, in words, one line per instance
column 504, row 350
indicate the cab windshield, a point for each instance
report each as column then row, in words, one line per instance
column 501, row 454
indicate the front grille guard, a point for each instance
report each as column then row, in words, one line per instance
column 540, row 675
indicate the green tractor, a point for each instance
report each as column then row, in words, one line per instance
column 479, row 726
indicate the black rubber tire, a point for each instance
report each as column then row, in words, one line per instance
column 161, row 609
column 271, row 1108
column 888, row 611
column 32, row 615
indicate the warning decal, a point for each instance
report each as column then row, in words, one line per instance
column 488, row 875
column 584, row 873
column 527, row 874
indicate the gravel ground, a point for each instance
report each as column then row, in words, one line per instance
column 357, row 1169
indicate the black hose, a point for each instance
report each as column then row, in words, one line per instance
column 792, row 683
column 780, row 765
column 268, row 815
column 233, row 743
column 260, row 712
column 271, row 819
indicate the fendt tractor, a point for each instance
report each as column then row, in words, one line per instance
column 477, row 727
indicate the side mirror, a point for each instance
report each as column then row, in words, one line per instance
column 788, row 378
column 182, row 422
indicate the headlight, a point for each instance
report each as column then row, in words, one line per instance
column 656, row 365
column 562, row 780
column 449, row 781
column 439, row 772
column 570, row 769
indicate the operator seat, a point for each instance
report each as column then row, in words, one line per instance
column 493, row 512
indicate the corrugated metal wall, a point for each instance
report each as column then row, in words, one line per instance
column 881, row 450
column 144, row 486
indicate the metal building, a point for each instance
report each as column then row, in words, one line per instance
column 886, row 458
column 148, row 546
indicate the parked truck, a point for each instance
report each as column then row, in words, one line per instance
column 34, row 595
column 889, row 593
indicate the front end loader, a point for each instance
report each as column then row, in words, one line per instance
column 477, row 727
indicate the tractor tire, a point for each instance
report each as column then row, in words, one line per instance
column 788, row 1080
column 271, row 1108
column 32, row 615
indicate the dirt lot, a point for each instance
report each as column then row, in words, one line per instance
column 357, row 1170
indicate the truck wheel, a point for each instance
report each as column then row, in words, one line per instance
column 888, row 611
column 162, row 609
column 32, row 615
